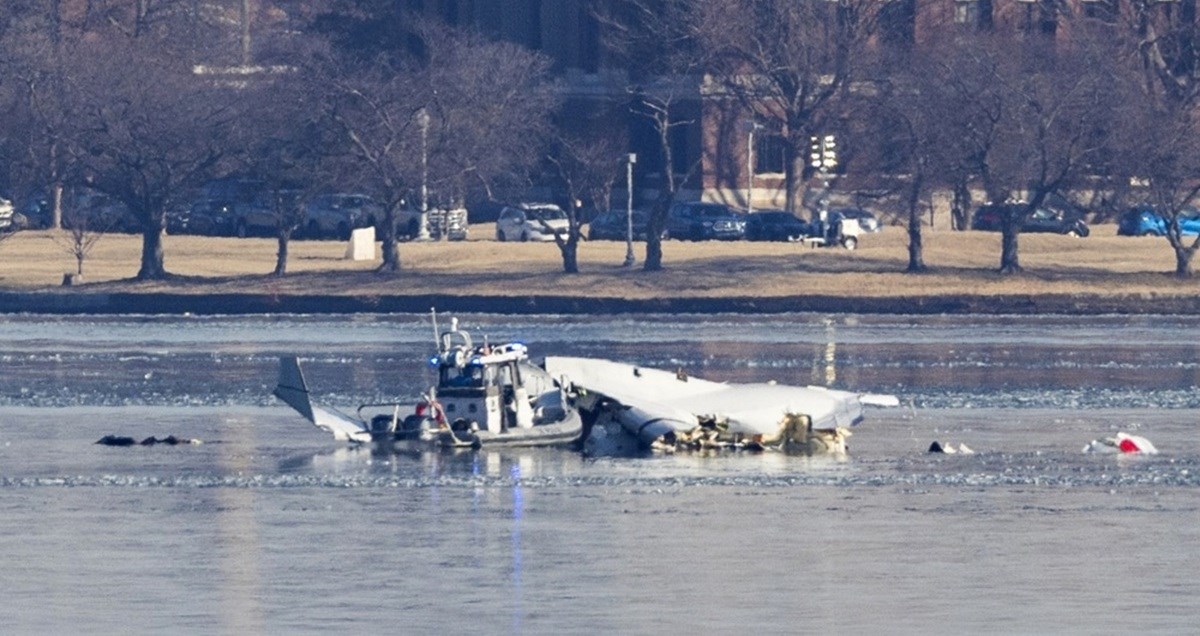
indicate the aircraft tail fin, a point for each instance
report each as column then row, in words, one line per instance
column 292, row 389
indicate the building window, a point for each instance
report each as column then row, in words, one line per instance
column 1041, row 16
column 769, row 153
column 966, row 12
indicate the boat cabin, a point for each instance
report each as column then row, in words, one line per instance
column 483, row 384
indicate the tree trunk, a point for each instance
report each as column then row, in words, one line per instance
column 654, row 230
column 1183, row 261
column 960, row 213
column 281, row 256
column 916, row 258
column 152, row 252
column 391, row 253
column 654, row 255
column 793, row 178
column 1009, row 263
column 570, row 255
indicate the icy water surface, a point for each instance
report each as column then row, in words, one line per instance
column 268, row 527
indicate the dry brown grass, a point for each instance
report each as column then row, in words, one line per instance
column 960, row 263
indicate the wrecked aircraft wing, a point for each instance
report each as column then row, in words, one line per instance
column 659, row 406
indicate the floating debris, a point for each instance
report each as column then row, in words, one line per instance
column 121, row 440
column 950, row 449
column 116, row 440
column 1122, row 443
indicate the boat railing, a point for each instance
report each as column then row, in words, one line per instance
column 395, row 406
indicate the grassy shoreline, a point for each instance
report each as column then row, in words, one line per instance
column 1119, row 271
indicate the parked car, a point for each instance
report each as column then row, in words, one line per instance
column 696, row 221
column 238, row 206
column 614, row 226
column 98, row 212
column 531, row 222
column 1046, row 220
column 204, row 217
column 7, row 216
column 865, row 218
column 38, row 211
column 1145, row 221
column 775, row 225
column 335, row 215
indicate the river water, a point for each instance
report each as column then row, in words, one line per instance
column 270, row 527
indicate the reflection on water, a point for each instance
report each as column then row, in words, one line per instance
column 238, row 541
column 270, row 527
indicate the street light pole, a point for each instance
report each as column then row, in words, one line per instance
column 629, row 209
column 423, row 122
column 751, row 126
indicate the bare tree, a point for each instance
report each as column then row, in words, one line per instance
column 147, row 136
column 1164, row 38
column 1159, row 147
column 374, row 107
column 33, row 73
column 587, row 167
column 463, row 108
column 1158, row 141
column 787, row 63
column 1029, row 122
column 658, row 107
column 656, row 40
column 491, row 105
column 283, row 145
column 83, row 231
column 902, row 126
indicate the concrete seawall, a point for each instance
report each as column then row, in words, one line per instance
column 222, row 304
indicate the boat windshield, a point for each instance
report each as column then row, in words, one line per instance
column 468, row 376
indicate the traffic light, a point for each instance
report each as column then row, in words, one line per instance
column 822, row 153
column 828, row 153
column 814, row 153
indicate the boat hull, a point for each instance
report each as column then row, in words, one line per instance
column 561, row 433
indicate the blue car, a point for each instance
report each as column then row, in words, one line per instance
column 1144, row 221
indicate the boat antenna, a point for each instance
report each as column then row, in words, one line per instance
column 433, row 317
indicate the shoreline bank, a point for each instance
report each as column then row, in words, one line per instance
column 1103, row 274
column 114, row 303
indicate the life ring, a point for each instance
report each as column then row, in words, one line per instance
column 438, row 413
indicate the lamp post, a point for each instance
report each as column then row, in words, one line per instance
column 751, row 126
column 629, row 209
column 423, row 123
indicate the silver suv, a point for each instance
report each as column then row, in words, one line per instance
column 336, row 215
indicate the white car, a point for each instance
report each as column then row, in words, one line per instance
column 866, row 220
column 6, row 214
column 531, row 222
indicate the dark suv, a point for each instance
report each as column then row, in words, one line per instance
column 696, row 221
column 1047, row 220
